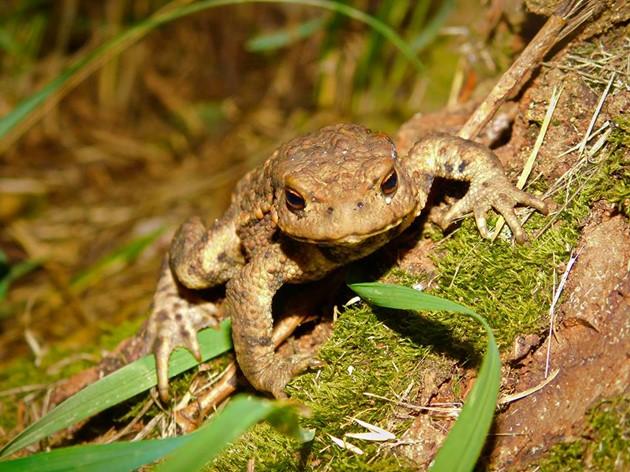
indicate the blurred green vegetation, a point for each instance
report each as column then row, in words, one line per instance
column 352, row 68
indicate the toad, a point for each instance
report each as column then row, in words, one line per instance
column 319, row 202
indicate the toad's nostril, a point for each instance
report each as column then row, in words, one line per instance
column 330, row 210
column 360, row 205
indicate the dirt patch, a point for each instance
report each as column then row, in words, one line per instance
column 590, row 348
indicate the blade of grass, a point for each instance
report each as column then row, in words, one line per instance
column 381, row 61
column 188, row 452
column 432, row 28
column 119, row 386
column 9, row 274
column 214, row 436
column 405, row 298
column 33, row 108
column 118, row 456
column 463, row 445
column 286, row 36
column 397, row 72
column 110, row 263
column 369, row 57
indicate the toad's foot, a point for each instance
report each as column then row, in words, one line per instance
column 275, row 377
column 455, row 158
column 174, row 322
column 496, row 193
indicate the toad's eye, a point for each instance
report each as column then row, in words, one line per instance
column 390, row 183
column 295, row 201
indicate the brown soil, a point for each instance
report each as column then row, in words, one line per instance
column 591, row 348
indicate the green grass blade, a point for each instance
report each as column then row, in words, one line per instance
column 369, row 59
column 117, row 387
column 211, row 438
column 118, row 456
column 188, row 452
column 433, row 26
column 405, row 298
column 117, row 259
column 285, row 37
column 9, row 274
column 463, row 445
column 35, row 106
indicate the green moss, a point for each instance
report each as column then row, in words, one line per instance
column 605, row 443
column 365, row 354
column 614, row 183
column 566, row 457
column 510, row 286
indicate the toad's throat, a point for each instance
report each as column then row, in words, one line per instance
column 353, row 239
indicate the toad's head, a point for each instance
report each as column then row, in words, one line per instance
column 340, row 186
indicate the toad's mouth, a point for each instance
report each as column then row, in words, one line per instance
column 354, row 239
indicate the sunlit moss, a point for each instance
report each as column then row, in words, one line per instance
column 365, row 354
column 604, row 445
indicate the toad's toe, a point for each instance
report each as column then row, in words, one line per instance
column 173, row 325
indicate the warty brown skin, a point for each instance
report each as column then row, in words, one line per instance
column 319, row 202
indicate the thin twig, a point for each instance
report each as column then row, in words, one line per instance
column 148, row 404
column 448, row 411
column 23, row 389
column 505, row 399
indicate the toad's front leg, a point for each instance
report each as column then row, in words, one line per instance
column 198, row 258
column 456, row 158
column 248, row 302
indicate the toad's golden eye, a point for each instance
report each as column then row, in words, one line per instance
column 390, row 183
column 295, row 201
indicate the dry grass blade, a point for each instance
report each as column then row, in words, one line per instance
column 600, row 104
column 345, row 445
column 576, row 12
column 443, row 411
column 505, row 399
column 374, row 432
column 552, row 313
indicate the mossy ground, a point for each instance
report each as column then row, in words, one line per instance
column 385, row 352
